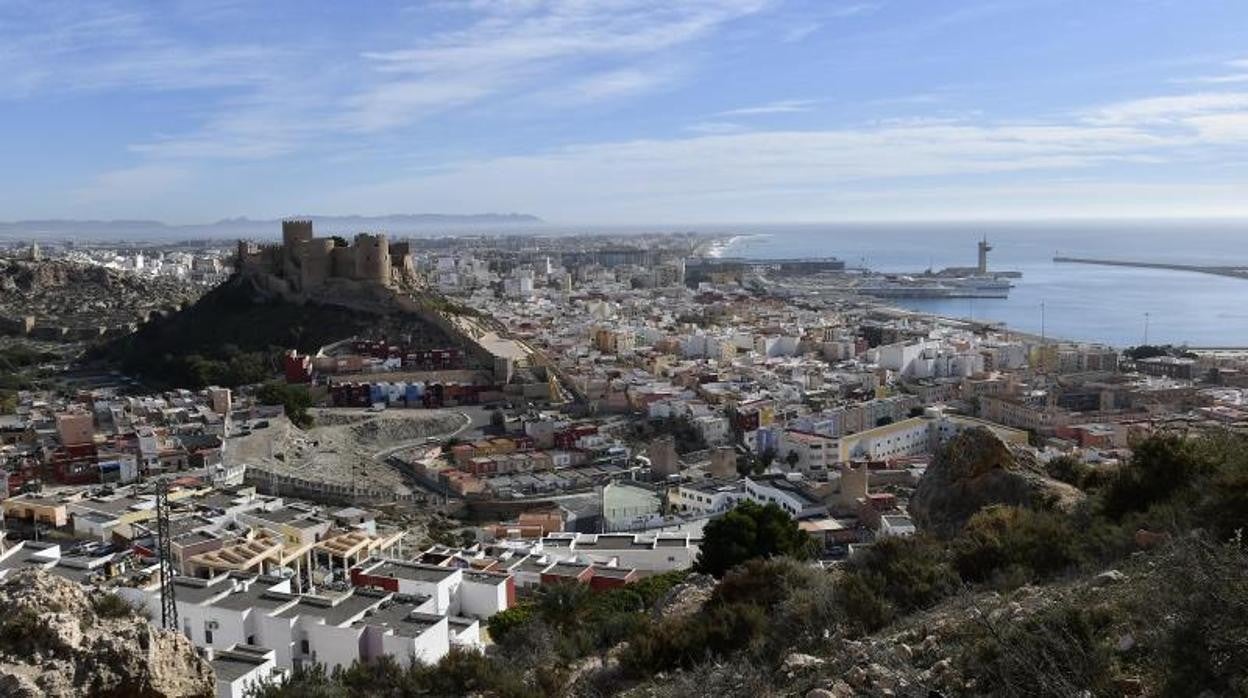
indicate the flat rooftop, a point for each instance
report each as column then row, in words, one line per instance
column 614, row 542
column 402, row 618
column 671, row 543
column 256, row 596
column 614, row 572
column 195, row 591
column 346, row 609
column 485, row 577
column 232, row 665
column 415, row 572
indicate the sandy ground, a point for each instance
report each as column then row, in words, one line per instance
column 343, row 443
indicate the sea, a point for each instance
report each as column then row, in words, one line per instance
column 1111, row 305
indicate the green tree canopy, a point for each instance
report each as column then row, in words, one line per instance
column 751, row 531
column 294, row 399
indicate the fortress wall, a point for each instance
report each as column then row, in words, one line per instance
column 342, row 263
column 316, row 263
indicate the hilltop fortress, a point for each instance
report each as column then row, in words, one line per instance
column 303, row 264
column 370, row 275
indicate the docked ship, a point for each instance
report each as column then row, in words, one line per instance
column 953, row 282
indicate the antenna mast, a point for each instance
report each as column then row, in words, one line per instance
column 168, row 602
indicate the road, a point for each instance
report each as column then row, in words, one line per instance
column 468, row 422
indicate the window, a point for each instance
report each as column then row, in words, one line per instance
column 303, row 646
column 207, row 637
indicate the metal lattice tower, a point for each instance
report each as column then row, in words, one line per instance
column 168, row 602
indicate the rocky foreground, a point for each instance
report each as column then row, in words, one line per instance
column 55, row 640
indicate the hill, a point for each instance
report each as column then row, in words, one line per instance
column 73, row 294
column 235, row 334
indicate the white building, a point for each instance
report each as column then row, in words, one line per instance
column 240, row 670
column 788, row 494
column 705, row 498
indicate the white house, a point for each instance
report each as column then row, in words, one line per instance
column 240, row 669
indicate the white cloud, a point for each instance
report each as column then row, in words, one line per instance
column 785, row 106
column 57, row 47
column 853, row 9
column 609, row 85
column 1221, row 128
column 1169, row 109
column 1238, row 74
column 716, row 127
column 798, row 32
column 760, row 175
column 513, row 46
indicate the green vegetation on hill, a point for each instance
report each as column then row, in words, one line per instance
column 18, row 371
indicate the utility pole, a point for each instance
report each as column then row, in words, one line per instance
column 168, row 602
column 1145, row 329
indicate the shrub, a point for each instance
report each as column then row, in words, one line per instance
column 999, row 539
column 1204, row 594
column 1160, row 465
column 891, row 577
column 1058, row 653
column 1068, row 469
column 686, row 641
column 110, row 605
column 24, row 633
column 502, row 624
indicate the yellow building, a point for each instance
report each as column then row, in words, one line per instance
column 36, row 508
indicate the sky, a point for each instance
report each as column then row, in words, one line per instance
column 625, row 111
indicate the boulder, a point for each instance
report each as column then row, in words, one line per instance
column 798, row 661
column 976, row 469
column 1108, row 578
column 53, row 643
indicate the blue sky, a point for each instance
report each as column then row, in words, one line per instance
column 625, row 111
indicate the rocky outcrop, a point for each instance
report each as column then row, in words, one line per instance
column 73, row 294
column 686, row 598
column 57, row 641
column 976, row 469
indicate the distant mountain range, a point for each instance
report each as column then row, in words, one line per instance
column 396, row 224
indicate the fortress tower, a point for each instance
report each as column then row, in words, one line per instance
column 372, row 258
column 853, row 484
column 295, row 232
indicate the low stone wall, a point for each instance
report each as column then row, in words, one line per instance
column 283, row 484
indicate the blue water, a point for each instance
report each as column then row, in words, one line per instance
column 1088, row 303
